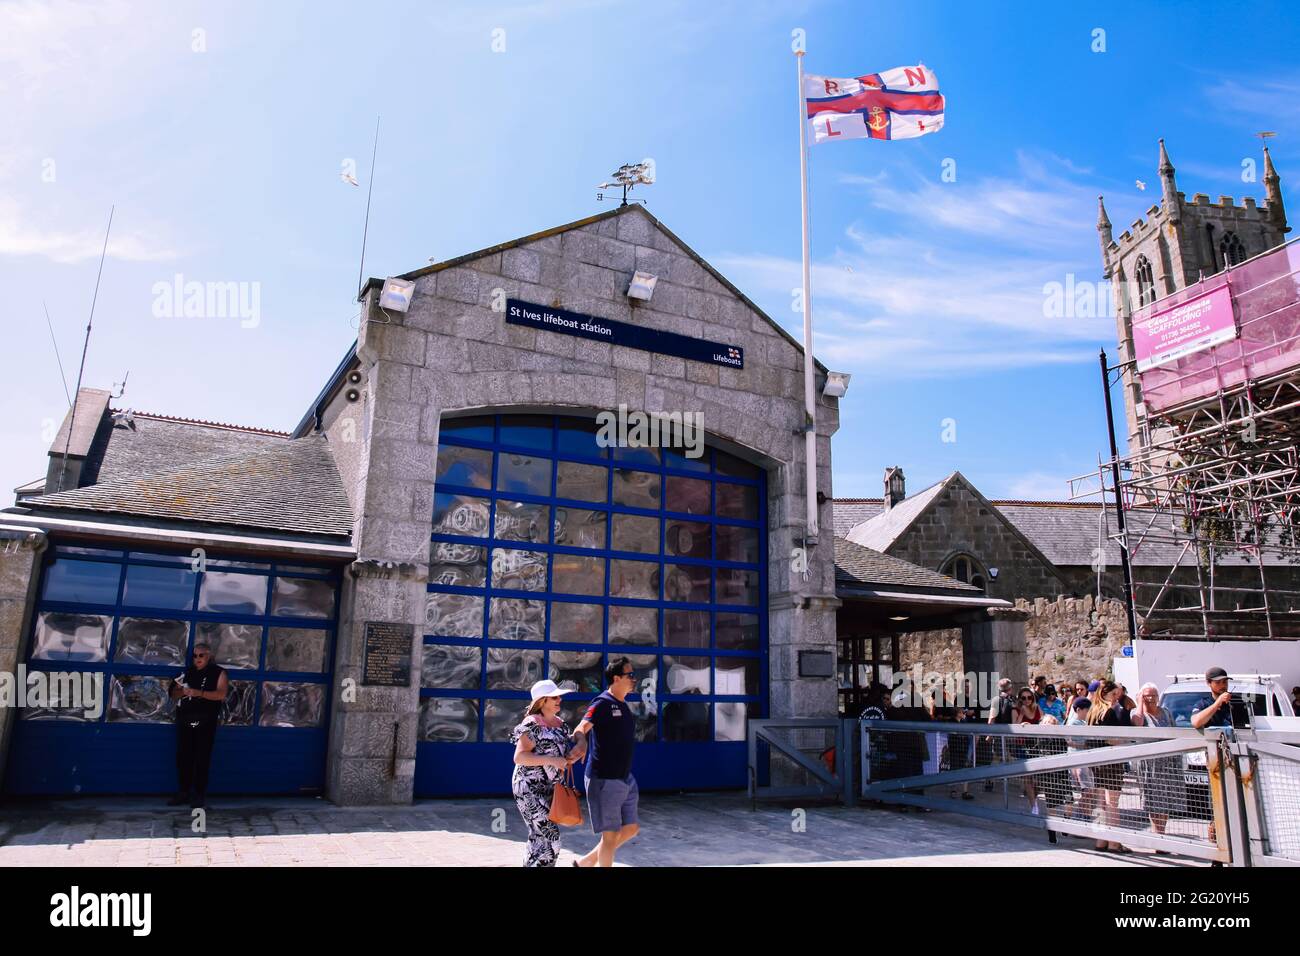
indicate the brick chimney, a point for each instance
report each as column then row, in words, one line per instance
column 895, row 486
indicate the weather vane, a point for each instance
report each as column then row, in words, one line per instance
column 629, row 176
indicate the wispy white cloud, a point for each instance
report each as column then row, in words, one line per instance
column 44, row 41
column 69, row 245
column 918, row 299
column 1275, row 101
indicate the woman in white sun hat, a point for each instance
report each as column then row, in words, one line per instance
column 544, row 749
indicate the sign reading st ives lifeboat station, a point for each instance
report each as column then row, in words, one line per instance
column 623, row 333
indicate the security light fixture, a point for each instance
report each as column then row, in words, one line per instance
column 993, row 574
column 396, row 294
column 837, row 384
column 642, row 286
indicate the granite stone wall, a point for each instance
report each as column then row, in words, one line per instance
column 20, row 551
column 960, row 521
column 453, row 352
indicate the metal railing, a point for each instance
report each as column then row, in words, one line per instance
column 1226, row 796
column 1270, row 781
column 1152, row 787
column 798, row 770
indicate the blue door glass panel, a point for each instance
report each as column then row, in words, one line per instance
column 643, row 567
column 144, row 607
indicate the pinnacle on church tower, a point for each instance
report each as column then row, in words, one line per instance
column 1168, row 189
column 1103, row 228
column 1273, row 193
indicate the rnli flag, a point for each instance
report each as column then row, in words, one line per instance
column 902, row 103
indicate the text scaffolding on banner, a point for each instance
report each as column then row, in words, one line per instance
column 901, row 103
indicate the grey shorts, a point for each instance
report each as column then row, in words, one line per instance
column 611, row 803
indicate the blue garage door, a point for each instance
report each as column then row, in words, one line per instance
column 128, row 620
column 550, row 556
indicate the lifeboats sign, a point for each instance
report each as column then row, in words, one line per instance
column 1193, row 326
column 623, row 333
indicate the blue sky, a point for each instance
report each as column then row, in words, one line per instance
column 224, row 164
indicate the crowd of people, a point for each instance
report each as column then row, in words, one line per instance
column 1085, row 793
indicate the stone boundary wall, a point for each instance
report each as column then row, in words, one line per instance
column 1064, row 638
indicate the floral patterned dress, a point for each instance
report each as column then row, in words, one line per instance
column 533, row 788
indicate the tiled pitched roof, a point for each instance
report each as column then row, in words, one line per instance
column 856, row 565
column 880, row 532
column 287, row 486
column 1066, row 532
column 848, row 513
column 152, row 443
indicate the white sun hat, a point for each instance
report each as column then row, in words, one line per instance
column 546, row 688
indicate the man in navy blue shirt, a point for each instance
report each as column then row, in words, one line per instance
column 610, row 728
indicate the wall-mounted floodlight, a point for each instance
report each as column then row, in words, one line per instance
column 837, row 384
column 993, row 574
column 642, row 286
column 396, row 295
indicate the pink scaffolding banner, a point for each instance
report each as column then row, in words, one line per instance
column 1193, row 326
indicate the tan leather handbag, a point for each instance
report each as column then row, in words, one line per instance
column 565, row 808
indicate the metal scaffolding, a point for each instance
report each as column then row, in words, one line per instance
column 1207, row 503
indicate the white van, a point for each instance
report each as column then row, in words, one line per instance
column 1261, row 695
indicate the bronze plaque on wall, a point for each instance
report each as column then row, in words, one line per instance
column 388, row 654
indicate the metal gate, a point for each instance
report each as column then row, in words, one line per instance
column 812, row 758
column 1134, row 786
column 1271, row 791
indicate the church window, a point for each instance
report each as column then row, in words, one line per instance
column 1146, row 282
column 966, row 569
column 1231, row 249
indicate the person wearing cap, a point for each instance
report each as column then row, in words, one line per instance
column 544, row 750
column 1214, row 710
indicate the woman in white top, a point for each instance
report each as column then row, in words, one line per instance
column 544, row 750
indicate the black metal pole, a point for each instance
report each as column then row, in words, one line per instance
column 1119, row 500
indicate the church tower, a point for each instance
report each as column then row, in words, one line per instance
column 1177, row 244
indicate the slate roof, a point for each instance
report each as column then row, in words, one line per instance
column 848, row 512
column 286, row 486
column 1064, row 531
column 881, row 531
column 151, row 443
column 856, row 565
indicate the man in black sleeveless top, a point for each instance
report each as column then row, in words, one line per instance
column 199, row 692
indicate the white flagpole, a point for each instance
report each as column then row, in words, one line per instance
column 809, row 370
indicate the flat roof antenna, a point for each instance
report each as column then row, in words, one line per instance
column 629, row 176
column 62, row 376
column 85, row 347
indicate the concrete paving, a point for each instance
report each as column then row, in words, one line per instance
column 677, row 830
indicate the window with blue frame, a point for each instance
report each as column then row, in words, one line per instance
column 551, row 555
column 134, row 616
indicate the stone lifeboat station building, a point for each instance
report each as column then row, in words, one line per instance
column 445, row 527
